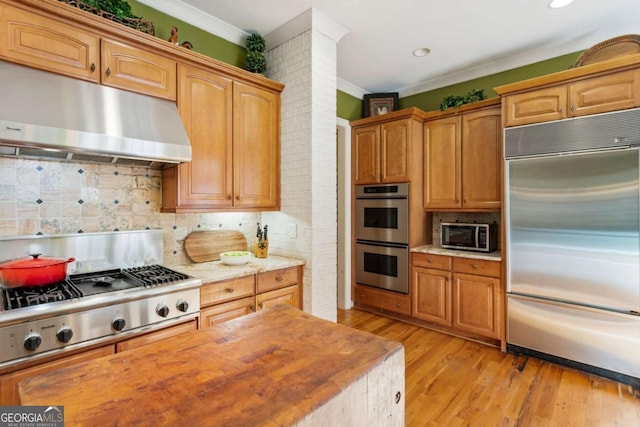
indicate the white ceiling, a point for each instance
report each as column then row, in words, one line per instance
column 467, row 38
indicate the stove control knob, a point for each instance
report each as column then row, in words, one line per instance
column 162, row 310
column 64, row 335
column 32, row 341
column 118, row 323
column 182, row 305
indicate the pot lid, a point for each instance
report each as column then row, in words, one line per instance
column 35, row 261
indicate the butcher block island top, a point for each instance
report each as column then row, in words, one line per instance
column 276, row 367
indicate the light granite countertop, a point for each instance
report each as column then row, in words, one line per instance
column 433, row 249
column 216, row 271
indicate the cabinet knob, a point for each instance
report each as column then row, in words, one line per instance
column 474, row 266
column 228, row 196
column 108, row 72
column 237, row 197
column 429, row 260
column 252, row 307
column 398, row 304
column 92, row 68
column 228, row 290
column 261, row 306
column 398, row 397
column 560, row 110
column 573, row 108
column 279, row 278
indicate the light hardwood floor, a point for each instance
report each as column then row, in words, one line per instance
column 455, row 382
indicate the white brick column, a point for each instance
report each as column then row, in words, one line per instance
column 302, row 55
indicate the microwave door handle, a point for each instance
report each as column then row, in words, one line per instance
column 477, row 242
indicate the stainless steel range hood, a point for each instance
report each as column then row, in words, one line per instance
column 48, row 115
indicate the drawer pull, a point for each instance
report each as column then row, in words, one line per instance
column 108, row 72
column 398, row 304
column 429, row 260
column 252, row 307
column 279, row 278
column 474, row 266
column 92, row 68
column 398, row 397
column 261, row 306
column 229, row 290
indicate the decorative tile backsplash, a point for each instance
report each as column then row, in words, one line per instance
column 51, row 197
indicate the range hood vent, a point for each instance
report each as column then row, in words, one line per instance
column 45, row 115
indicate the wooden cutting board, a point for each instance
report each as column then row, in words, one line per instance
column 204, row 246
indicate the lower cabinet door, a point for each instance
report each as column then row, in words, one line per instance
column 476, row 304
column 222, row 312
column 432, row 295
column 289, row 295
column 9, row 382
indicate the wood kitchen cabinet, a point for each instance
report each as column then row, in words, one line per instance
column 38, row 41
column 234, row 132
column 598, row 94
column 385, row 148
column 226, row 300
column 130, row 68
column 9, row 382
column 463, row 160
column 462, row 294
column 380, row 300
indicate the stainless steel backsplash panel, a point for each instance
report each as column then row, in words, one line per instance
column 92, row 251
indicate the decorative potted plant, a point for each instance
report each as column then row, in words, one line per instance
column 255, row 60
column 456, row 101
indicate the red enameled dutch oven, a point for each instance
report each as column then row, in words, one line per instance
column 33, row 272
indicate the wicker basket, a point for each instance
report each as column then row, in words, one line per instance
column 136, row 24
column 612, row 48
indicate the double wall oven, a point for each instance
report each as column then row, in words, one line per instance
column 382, row 236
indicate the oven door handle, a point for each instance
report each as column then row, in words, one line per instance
column 382, row 244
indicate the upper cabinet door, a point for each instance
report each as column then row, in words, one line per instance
column 605, row 93
column 137, row 70
column 205, row 104
column 44, row 43
column 366, row 169
column 540, row 105
column 442, row 159
column 395, row 138
column 482, row 159
column 256, row 149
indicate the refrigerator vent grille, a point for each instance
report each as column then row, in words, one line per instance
column 610, row 130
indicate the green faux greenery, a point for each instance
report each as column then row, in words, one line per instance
column 255, row 62
column 255, row 43
column 456, row 101
column 120, row 8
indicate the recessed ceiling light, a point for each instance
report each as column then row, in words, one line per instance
column 557, row 4
column 423, row 51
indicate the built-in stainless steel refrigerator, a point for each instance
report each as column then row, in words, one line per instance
column 572, row 215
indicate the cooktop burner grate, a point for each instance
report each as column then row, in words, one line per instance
column 26, row 297
column 152, row 275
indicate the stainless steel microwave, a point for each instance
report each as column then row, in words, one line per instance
column 471, row 237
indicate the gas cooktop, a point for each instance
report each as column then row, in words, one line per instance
column 87, row 284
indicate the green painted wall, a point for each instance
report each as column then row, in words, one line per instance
column 349, row 107
column 202, row 41
column 429, row 101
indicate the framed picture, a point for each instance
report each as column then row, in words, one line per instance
column 375, row 104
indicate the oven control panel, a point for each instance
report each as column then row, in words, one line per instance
column 43, row 335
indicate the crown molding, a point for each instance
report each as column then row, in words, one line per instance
column 309, row 19
column 351, row 89
column 187, row 13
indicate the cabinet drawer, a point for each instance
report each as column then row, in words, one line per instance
column 389, row 301
column 227, row 290
column 440, row 262
column 227, row 311
column 276, row 279
column 156, row 336
column 289, row 295
column 480, row 267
